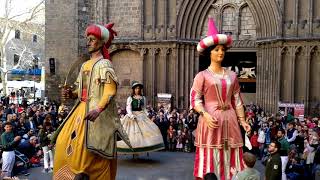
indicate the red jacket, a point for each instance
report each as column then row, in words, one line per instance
column 254, row 141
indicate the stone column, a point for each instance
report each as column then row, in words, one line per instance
column 162, row 71
column 181, row 78
column 186, row 76
column 175, row 57
column 292, row 70
column 259, row 75
column 143, row 54
column 295, row 19
column 307, row 79
column 310, row 23
column 155, row 52
column 154, row 19
column 168, row 77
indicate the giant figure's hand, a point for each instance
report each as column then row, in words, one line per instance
column 92, row 115
column 246, row 126
column 211, row 121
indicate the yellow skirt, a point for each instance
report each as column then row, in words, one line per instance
column 71, row 155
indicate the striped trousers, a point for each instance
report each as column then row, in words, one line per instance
column 217, row 161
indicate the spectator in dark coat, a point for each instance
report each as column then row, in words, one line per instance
column 273, row 169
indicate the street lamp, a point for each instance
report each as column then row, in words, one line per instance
column 34, row 80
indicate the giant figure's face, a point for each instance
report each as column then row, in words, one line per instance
column 93, row 44
column 137, row 90
column 217, row 54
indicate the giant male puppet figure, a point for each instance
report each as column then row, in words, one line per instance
column 86, row 140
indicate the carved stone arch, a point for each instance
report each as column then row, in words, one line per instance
column 314, row 50
column 284, row 50
column 128, row 65
column 186, row 18
column 228, row 5
column 239, row 11
column 247, row 24
column 267, row 9
column 196, row 16
column 156, row 51
column 118, row 47
column 185, row 23
column 298, row 50
column 203, row 17
column 266, row 16
column 144, row 51
column 223, row 9
column 192, row 17
column 213, row 11
column 243, row 6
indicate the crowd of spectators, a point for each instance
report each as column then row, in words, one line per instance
column 26, row 130
column 298, row 141
column 298, row 138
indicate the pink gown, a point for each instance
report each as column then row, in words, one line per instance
column 219, row 149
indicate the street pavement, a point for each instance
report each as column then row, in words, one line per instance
column 156, row 166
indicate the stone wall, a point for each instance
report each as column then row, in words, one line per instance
column 126, row 14
column 167, row 31
column 61, row 41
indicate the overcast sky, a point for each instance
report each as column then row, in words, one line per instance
column 21, row 6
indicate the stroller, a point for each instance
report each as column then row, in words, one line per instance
column 21, row 164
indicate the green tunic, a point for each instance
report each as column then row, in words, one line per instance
column 7, row 141
column 284, row 146
column 274, row 167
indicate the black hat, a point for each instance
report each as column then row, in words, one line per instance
column 136, row 83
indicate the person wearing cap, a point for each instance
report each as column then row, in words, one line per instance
column 215, row 95
column 86, row 139
column 144, row 134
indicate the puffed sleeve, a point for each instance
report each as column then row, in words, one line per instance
column 107, row 72
column 144, row 104
column 197, row 91
column 109, row 82
column 236, row 96
column 236, row 100
column 128, row 107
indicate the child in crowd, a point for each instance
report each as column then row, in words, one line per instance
column 249, row 172
column 171, row 137
column 45, row 135
column 179, row 139
column 254, row 142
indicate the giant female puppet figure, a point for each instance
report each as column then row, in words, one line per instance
column 86, row 140
column 144, row 135
column 215, row 95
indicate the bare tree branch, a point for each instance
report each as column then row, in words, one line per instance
column 33, row 11
column 8, row 24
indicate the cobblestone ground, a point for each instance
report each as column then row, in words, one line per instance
column 156, row 166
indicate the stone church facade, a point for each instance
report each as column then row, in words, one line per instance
column 156, row 44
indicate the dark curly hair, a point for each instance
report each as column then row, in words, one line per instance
column 141, row 90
